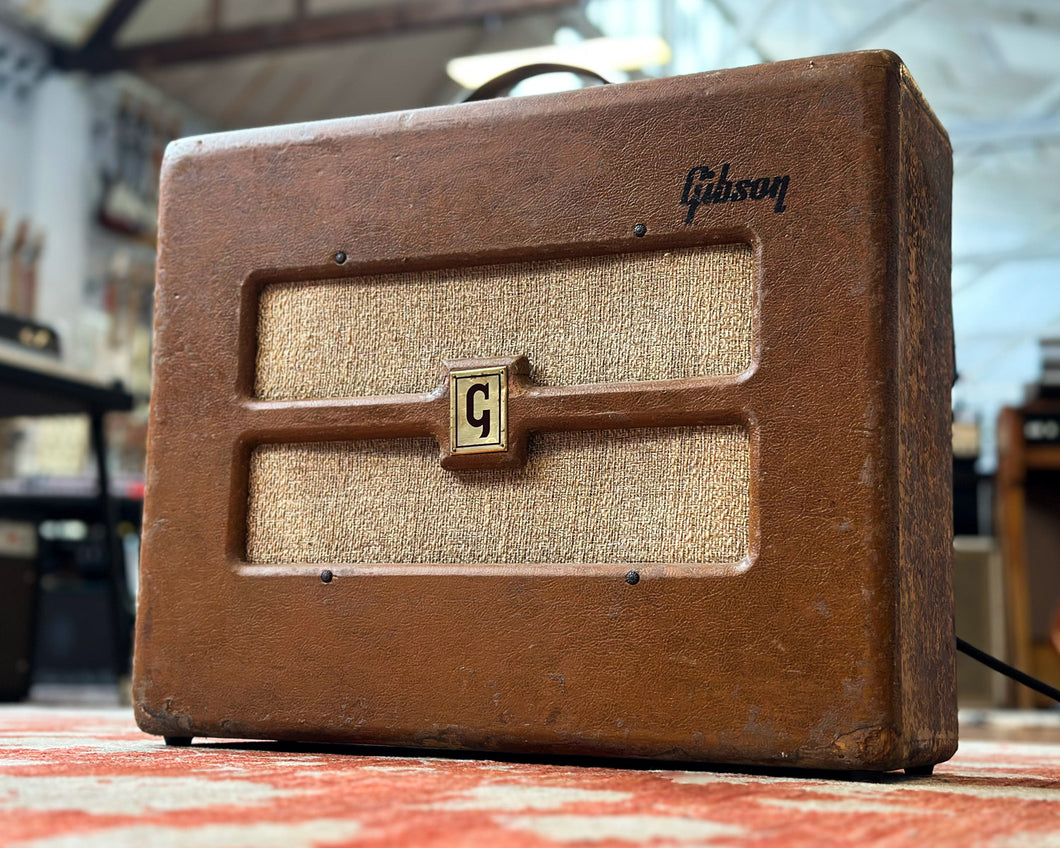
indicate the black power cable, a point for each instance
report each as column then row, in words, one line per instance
column 1007, row 670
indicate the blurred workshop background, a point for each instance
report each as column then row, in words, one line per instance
column 91, row 91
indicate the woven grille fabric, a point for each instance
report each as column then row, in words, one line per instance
column 641, row 316
column 667, row 495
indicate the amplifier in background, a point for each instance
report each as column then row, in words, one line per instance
column 613, row 422
column 18, row 607
column 1028, row 527
column 979, row 599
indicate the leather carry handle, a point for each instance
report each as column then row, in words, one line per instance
column 502, row 84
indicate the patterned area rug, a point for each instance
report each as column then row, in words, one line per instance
column 90, row 779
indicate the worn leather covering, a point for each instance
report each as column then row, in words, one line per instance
column 829, row 645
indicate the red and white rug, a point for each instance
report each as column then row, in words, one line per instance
column 89, row 779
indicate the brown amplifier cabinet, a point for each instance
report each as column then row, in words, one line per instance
column 613, row 422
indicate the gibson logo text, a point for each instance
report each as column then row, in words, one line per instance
column 703, row 185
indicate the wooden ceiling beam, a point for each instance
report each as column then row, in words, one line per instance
column 110, row 24
column 387, row 18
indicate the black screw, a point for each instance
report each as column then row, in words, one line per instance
column 633, row 577
column 640, row 231
column 340, row 258
column 326, row 575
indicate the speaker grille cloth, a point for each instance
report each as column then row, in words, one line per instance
column 654, row 495
column 639, row 316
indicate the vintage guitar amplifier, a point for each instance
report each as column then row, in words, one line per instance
column 613, row 422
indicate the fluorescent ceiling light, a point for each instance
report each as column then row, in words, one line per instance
column 596, row 54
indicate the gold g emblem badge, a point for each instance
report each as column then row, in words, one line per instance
column 478, row 410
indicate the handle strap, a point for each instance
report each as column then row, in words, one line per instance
column 502, row 84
